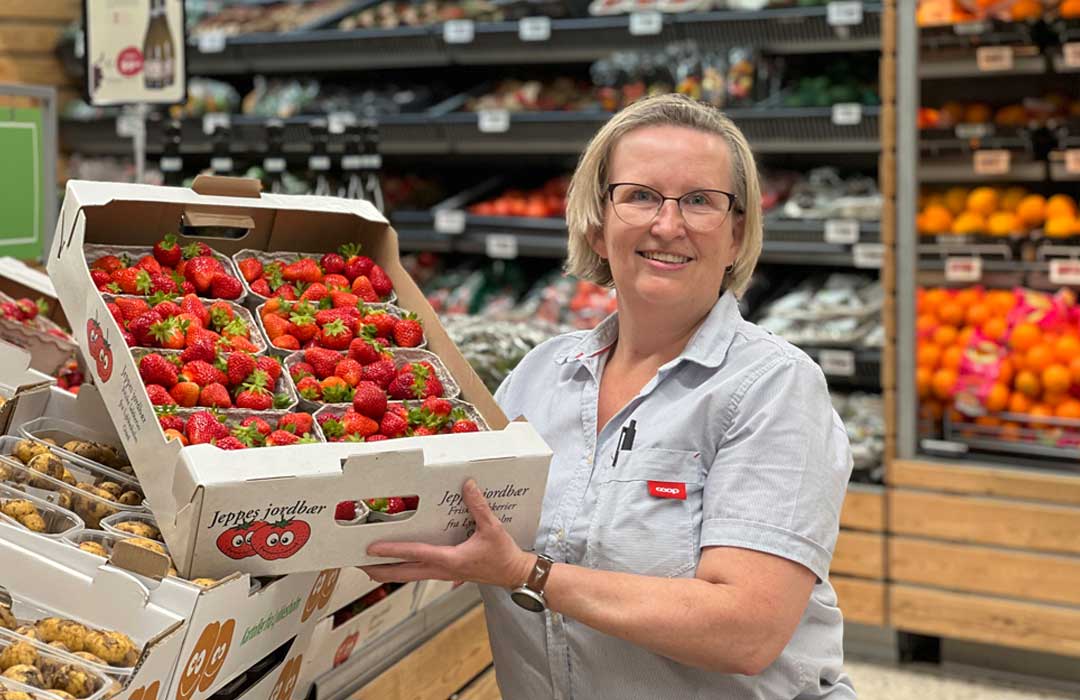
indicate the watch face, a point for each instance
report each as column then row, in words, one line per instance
column 528, row 600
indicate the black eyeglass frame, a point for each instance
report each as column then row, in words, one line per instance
column 733, row 200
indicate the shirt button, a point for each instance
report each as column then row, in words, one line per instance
column 588, row 460
column 561, row 534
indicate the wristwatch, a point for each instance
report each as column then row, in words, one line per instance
column 530, row 595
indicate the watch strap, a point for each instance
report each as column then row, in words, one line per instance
column 539, row 575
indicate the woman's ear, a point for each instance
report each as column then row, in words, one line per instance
column 738, row 233
column 596, row 242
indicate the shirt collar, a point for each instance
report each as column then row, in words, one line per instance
column 707, row 348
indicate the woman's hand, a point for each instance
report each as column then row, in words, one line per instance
column 489, row 556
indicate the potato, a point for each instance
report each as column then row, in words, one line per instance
column 139, row 529
column 112, row 487
column 131, row 498
column 25, row 674
column 28, row 631
column 17, row 507
column 26, row 450
column 87, row 656
column 61, row 646
column 7, row 618
column 102, row 454
column 113, row 647
column 9, row 694
column 74, row 680
column 6, row 474
column 48, row 464
column 94, row 548
column 71, row 633
column 91, row 510
column 19, row 653
column 32, row 522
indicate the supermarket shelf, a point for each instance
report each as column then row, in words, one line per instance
column 1027, row 60
column 963, row 170
column 797, row 242
column 864, row 373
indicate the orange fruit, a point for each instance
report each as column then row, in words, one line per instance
column 968, row 296
column 1001, row 301
column 1011, row 199
column 1040, row 410
column 977, row 314
column 1056, row 379
column 1019, row 403
column 933, row 298
column 964, row 339
column 936, row 219
column 1010, row 431
column 1024, row 337
column 1074, row 369
column 998, row 398
column 952, row 357
column 1066, row 348
column 923, row 375
column 988, row 421
column 954, row 111
column 956, row 200
column 925, row 325
column 1070, row 9
column 1053, row 400
column 1027, row 383
column 944, row 383
column 945, row 335
column 1061, row 205
column 1039, row 358
column 928, row 355
column 977, row 113
column 1032, row 210
column 1069, row 408
column 1003, row 223
column 982, row 200
column 1006, row 372
column 994, row 329
column 1060, row 227
column 968, row 223
column 1025, row 9
column 931, row 409
column 951, row 313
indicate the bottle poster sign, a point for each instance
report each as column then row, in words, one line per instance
column 135, row 52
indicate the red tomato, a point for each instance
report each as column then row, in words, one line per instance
column 280, row 540
column 235, row 542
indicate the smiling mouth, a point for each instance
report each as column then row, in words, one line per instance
column 670, row 258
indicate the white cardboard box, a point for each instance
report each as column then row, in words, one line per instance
column 48, row 353
column 199, row 493
column 16, row 379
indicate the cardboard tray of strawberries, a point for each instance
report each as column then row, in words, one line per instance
column 289, row 326
column 169, row 323
column 288, row 275
column 432, row 416
column 146, row 271
column 23, row 324
column 240, row 429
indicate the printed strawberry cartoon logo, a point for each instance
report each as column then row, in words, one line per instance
column 286, row 682
column 280, row 540
column 321, row 592
column 235, row 542
column 206, row 659
column 146, row 692
column 99, row 348
column 346, row 649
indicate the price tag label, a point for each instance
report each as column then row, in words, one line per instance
column 1070, row 54
column 846, row 114
column 837, row 363
column 973, row 131
column 337, row 122
column 963, row 269
column 1072, row 161
column 646, row 23
column 534, row 28
column 493, row 121
column 1065, row 272
column 992, row 162
column 212, row 41
column 128, row 125
column 868, row 256
column 842, row 231
column 501, row 246
column 844, row 14
column 359, row 162
column 318, row 163
column 451, row 221
column 970, row 28
column 274, row 165
column 221, row 164
column 991, row 59
column 212, row 121
column 459, row 31
column 171, row 164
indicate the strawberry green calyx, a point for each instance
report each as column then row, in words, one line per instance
column 256, row 382
column 420, row 377
column 158, row 297
column 332, row 428
column 307, row 439
column 114, row 288
column 249, row 435
column 338, row 393
column 352, row 437
column 349, row 249
column 378, row 504
column 42, row 306
column 192, row 250
column 168, row 242
column 142, row 282
column 282, row 400
column 237, row 326
column 335, row 327
column 219, row 317
column 273, row 273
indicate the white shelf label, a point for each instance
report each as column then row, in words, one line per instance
column 274, row 165
column 214, row 120
column 963, row 269
column 973, row 131
column 361, row 162
column 868, row 256
column 128, row 125
column 212, row 41
column 847, row 114
column 221, row 164
column 459, row 31
column 318, row 163
column 337, row 122
column 171, row 164
column 970, row 28
column 994, row 58
column 992, row 162
column 1070, row 54
column 1072, row 161
column 501, row 246
column 842, row 231
column 493, row 121
column 837, row 363
column 844, row 14
column 1065, row 272
column 534, row 28
column 646, row 23
column 451, row 221
column 80, row 44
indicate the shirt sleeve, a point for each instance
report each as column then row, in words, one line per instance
column 505, row 400
column 781, row 470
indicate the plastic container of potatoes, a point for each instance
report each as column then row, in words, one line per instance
column 36, row 514
column 53, row 671
column 79, row 444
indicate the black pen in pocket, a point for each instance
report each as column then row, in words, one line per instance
column 626, row 441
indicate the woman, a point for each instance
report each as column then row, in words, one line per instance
column 694, row 495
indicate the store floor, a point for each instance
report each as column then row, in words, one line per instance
column 875, row 680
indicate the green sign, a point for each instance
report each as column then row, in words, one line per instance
column 22, row 199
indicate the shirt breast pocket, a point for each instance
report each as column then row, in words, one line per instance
column 647, row 517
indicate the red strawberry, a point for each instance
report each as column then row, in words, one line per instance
column 437, row 406
column 346, row 510
column 380, row 281
column 301, row 370
column 254, row 395
column 394, row 504
column 239, row 366
column 310, row 388
column 191, row 304
column 315, row 293
column 203, row 373
column 359, row 424
column 168, row 333
column 424, row 430
column 281, row 437
column 251, row 269
column 332, row 264
column 201, row 271
column 369, row 399
column 186, row 394
column 286, row 291
column 464, row 426
column 383, row 322
column 242, row 344
column 132, row 308
column 275, row 326
column 197, row 249
column 129, row 339
column 108, row 263
column 322, row 361
column 167, row 309
column 335, row 335
column 201, row 349
column 100, row 278
column 331, row 427
column 204, row 427
column 358, row 266
column 344, row 300
column 148, row 263
column 404, row 387
column 140, row 328
column 376, row 437
column 302, row 326
column 411, row 502
column 336, row 282
column 335, row 390
column 272, row 367
column 297, row 423
column 261, row 287
column 393, row 425
column 162, row 284
column 366, row 351
column 230, row 443
column 215, row 395
column 349, row 370
column 187, row 287
column 381, row 373
column 171, row 421
column 362, row 288
column 303, row 270
column 130, row 279
column 408, row 333
column 219, row 315
column 224, row 286
column 155, row 369
column 286, row 342
column 159, row 396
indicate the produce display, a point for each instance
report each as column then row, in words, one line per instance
column 236, row 19
column 168, row 269
column 394, row 13
column 371, row 418
column 1050, row 109
column 328, row 376
column 840, row 310
column 187, row 324
column 546, row 201
column 864, row 417
column 934, row 12
column 61, row 657
column 832, row 81
column 30, row 313
column 822, row 193
column 201, row 376
column 237, row 433
column 305, row 278
column 998, row 212
column 303, row 324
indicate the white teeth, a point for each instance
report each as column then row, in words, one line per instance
column 666, row 257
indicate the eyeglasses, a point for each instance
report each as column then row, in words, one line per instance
column 702, row 210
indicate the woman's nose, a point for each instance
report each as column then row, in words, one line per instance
column 669, row 222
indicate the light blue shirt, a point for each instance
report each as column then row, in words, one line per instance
column 742, row 422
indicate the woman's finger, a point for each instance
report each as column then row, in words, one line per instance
column 411, row 551
column 403, row 572
column 478, row 505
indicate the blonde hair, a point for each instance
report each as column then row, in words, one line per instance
column 586, row 199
